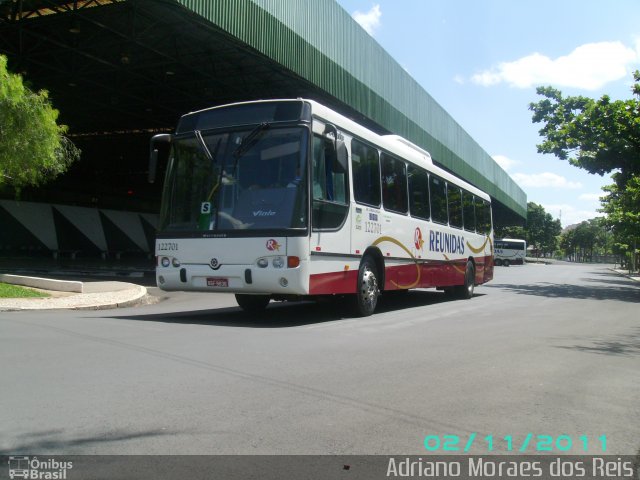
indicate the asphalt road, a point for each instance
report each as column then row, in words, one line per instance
column 542, row 350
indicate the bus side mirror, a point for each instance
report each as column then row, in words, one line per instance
column 153, row 165
column 163, row 138
column 341, row 154
column 338, row 148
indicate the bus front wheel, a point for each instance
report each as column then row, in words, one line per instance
column 497, row 262
column 368, row 290
column 252, row 303
column 506, row 263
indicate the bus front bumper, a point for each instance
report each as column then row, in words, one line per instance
column 234, row 279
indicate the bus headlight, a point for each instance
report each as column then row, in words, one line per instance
column 165, row 262
column 278, row 262
column 263, row 263
column 175, row 262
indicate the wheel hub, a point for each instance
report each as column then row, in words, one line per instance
column 369, row 287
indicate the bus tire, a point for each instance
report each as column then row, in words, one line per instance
column 506, row 263
column 252, row 303
column 497, row 262
column 465, row 291
column 368, row 290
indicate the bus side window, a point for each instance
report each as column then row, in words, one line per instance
column 438, row 194
column 329, row 186
column 329, row 177
column 419, row 193
column 454, row 195
column 318, row 178
column 483, row 216
column 468, row 212
column 366, row 173
column 394, row 184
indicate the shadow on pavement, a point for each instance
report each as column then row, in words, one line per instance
column 612, row 281
column 623, row 291
column 291, row 314
column 627, row 345
column 58, row 441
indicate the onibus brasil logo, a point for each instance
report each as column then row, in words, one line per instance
column 32, row 468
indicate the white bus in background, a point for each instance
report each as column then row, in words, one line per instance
column 287, row 199
column 510, row 251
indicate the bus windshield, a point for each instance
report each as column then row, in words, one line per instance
column 242, row 179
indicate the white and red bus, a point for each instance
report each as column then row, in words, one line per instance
column 288, row 199
column 510, row 251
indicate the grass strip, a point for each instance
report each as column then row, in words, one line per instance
column 14, row 291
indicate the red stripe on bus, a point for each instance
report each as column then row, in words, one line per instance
column 432, row 274
column 333, row 282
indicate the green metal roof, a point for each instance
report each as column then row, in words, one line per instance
column 127, row 67
column 349, row 64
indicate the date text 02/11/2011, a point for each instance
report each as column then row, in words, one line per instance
column 531, row 442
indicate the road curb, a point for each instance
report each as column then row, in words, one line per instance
column 129, row 297
column 624, row 273
column 42, row 283
column 138, row 298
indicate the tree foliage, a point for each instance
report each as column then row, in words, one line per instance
column 587, row 239
column 541, row 230
column 622, row 207
column 33, row 147
column 599, row 136
column 510, row 231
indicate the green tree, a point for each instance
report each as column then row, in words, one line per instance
column 541, row 229
column 600, row 136
column 512, row 231
column 33, row 147
column 622, row 207
column 568, row 244
column 587, row 236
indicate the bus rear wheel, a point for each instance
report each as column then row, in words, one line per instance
column 497, row 262
column 368, row 290
column 252, row 303
column 465, row 291
column 506, row 263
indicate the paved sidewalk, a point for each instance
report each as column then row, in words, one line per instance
column 635, row 277
column 93, row 296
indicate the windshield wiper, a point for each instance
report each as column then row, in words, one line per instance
column 250, row 140
column 204, row 147
column 213, row 159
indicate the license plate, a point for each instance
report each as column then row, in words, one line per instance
column 217, row 282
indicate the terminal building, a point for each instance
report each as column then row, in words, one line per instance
column 120, row 71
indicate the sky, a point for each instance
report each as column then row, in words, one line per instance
column 483, row 59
